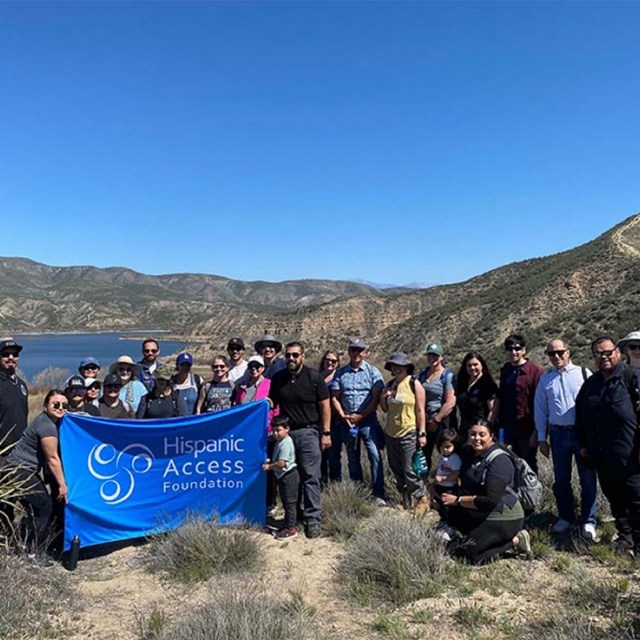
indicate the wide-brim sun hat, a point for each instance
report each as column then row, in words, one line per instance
column 634, row 336
column 401, row 359
column 266, row 338
column 128, row 360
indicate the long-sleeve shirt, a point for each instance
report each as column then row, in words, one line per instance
column 555, row 399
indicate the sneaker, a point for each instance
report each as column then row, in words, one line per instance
column 380, row 502
column 286, row 534
column 313, row 530
column 561, row 526
column 446, row 532
column 588, row 532
column 622, row 544
column 524, row 541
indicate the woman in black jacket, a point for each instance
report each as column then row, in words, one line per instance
column 487, row 511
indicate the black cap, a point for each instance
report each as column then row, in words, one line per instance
column 10, row 344
column 235, row 342
column 112, row 380
column 74, row 382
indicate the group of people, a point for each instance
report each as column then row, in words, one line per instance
column 479, row 425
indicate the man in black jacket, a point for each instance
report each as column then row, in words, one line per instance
column 607, row 429
column 14, row 397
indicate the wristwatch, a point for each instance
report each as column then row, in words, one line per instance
column 422, row 434
column 326, row 433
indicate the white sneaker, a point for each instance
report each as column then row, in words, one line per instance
column 524, row 542
column 380, row 502
column 588, row 532
column 561, row 526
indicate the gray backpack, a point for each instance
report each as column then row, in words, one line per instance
column 527, row 485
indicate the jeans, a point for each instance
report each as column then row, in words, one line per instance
column 306, row 441
column 371, row 435
column 564, row 449
column 288, row 486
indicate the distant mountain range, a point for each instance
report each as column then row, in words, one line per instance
column 576, row 294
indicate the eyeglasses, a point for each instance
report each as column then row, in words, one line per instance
column 59, row 405
column 514, row 348
column 219, row 366
column 634, row 347
column 556, row 352
column 331, row 360
column 607, row 353
column 292, row 355
column 150, row 351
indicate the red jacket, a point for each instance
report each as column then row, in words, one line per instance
column 528, row 376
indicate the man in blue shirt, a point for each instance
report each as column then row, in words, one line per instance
column 355, row 393
column 555, row 416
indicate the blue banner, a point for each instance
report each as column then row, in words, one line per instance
column 131, row 478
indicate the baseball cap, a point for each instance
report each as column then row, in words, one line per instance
column 112, row 379
column 86, row 362
column 357, row 343
column 436, row 348
column 184, row 358
column 10, row 344
column 235, row 342
column 74, row 382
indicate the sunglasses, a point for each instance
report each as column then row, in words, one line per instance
column 150, row 351
column 355, row 350
column 10, row 354
column 94, row 387
column 514, row 348
column 268, row 346
column 236, row 349
column 59, row 405
column 254, row 366
column 607, row 353
column 125, row 369
column 219, row 366
column 292, row 355
column 557, row 352
column 91, row 367
column 634, row 347
column 331, row 360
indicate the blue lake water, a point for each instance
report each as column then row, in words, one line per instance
column 66, row 350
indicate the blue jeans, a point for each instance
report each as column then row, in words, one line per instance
column 371, row 435
column 565, row 448
column 332, row 457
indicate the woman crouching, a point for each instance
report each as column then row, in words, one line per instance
column 487, row 512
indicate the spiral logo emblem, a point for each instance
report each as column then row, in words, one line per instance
column 106, row 463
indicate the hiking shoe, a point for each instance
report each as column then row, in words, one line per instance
column 622, row 544
column 380, row 502
column 313, row 530
column 422, row 506
column 286, row 534
column 524, row 541
column 561, row 526
column 588, row 532
column 446, row 533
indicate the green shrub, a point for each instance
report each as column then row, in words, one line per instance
column 31, row 599
column 238, row 609
column 344, row 506
column 396, row 559
column 200, row 549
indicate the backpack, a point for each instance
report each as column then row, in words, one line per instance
column 527, row 485
column 631, row 383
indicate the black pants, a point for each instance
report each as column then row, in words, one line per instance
column 288, row 485
column 37, row 502
column 483, row 539
column 621, row 487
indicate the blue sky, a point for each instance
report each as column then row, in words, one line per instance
column 389, row 141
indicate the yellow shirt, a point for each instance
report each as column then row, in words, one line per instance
column 401, row 417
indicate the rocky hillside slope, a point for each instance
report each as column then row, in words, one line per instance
column 576, row 294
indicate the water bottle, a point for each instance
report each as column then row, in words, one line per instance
column 74, row 553
column 353, row 434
